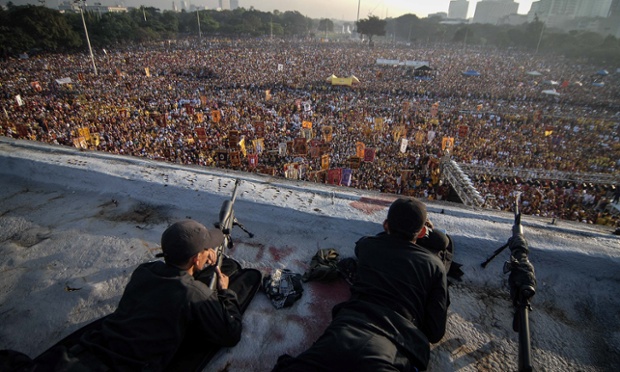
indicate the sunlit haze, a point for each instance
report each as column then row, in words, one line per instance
column 341, row 9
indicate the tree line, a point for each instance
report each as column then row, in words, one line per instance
column 35, row 28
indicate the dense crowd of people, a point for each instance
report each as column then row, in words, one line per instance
column 267, row 106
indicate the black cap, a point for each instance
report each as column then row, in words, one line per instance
column 406, row 216
column 187, row 238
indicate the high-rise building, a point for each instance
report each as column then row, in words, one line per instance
column 458, row 9
column 234, row 4
column 490, row 11
column 571, row 9
column 614, row 9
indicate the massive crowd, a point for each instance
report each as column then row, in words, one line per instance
column 245, row 104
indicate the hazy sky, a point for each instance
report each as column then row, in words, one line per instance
column 336, row 9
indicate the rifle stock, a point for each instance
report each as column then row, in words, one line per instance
column 225, row 224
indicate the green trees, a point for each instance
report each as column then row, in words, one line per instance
column 371, row 26
column 35, row 27
column 23, row 28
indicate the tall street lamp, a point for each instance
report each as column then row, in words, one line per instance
column 81, row 4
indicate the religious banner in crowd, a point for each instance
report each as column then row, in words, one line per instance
column 123, row 113
column 234, row 136
column 280, row 67
column 419, row 137
column 548, row 131
column 378, row 124
column 222, row 156
column 80, row 143
column 325, row 162
column 18, row 100
column 403, row 145
column 359, row 149
column 235, row 159
column 430, row 136
column 306, row 133
column 268, row 95
column 259, row 129
column 306, row 124
column 346, row 177
column 200, row 118
column 147, row 72
column 203, row 101
column 259, row 145
column 327, row 132
column 84, row 132
column 300, row 146
column 242, row 148
column 216, row 116
column 291, row 171
column 201, row 133
column 447, row 143
column 399, row 132
column 369, row 155
column 160, row 119
column 435, row 109
column 317, row 176
column 355, row 162
column 36, row 86
column 95, row 139
column 463, row 129
column 189, row 109
column 314, row 152
column 334, row 176
column 282, row 149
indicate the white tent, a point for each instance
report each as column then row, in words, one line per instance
column 534, row 73
column 551, row 92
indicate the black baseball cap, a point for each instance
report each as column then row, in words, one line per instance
column 406, row 216
column 187, row 238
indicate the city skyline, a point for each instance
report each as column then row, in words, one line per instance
column 342, row 10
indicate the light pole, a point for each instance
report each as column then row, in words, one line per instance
column 81, row 4
column 198, row 19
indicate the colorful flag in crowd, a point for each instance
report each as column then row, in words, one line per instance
column 216, row 116
column 259, row 128
column 325, row 161
column 369, row 155
column 327, row 133
column 334, row 176
column 403, row 145
column 201, row 133
column 431, row 136
column 347, row 175
column 282, row 148
column 36, row 86
column 253, row 160
column 359, row 149
column 447, row 143
column 259, row 145
column 244, row 151
column 463, row 129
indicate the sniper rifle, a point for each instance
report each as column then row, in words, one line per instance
column 522, row 282
column 226, row 223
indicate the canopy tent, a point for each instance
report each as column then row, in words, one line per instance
column 66, row 80
column 471, row 73
column 598, row 84
column 551, row 82
column 602, row 72
column 534, row 73
column 348, row 81
column 551, row 92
